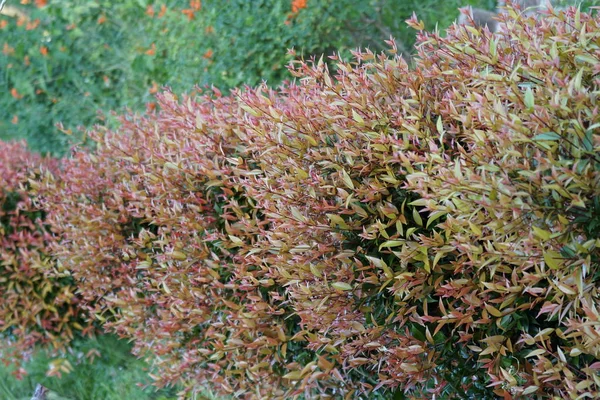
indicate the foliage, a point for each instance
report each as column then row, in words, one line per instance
column 39, row 304
column 512, row 165
column 70, row 59
column 428, row 230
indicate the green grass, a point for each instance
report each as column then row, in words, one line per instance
column 114, row 375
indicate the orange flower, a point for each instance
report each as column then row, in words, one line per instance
column 101, row 19
column 154, row 88
column 3, row 24
column 196, row 5
column 43, row 51
column 209, row 30
column 163, row 11
column 25, row 2
column 15, row 93
column 298, row 5
column 7, row 50
column 152, row 50
column 208, row 54
column 15, row 119
column 40, row 3
column 150, row 11
column 31, row 25
column 189, row 12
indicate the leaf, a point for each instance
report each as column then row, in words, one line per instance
column 553, row 259
column 297, row 214
column 530, row 390
column 529, row 100
column 536, row 353
column 391, row 243
column 435, row 215
column 347, row 180
column 417, row 217
column 294, row 375
column 418, row 202
column 357, row 117
column 494, row 311
column 541, row 233
column 250, row 110
column 379, row 263
column 547, row 136
column 341, row 286
column 181, row 256
column 337, row 221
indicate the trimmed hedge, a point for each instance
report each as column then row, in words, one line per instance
column 429, row 230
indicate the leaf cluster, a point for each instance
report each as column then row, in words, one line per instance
column 428, row 230
column 39, row 301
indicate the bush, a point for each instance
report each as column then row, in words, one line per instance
column 519, row 194
column 432, row 230
column 39, row 304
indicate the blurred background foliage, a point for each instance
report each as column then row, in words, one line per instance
column 63, row 61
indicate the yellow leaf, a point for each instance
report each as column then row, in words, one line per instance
column 357, row 117
column 341, row 286
column 337, row 221
column 347, row 180
column 417, row 217
column 536, row 353
column 494, row 311
column 179, row 255
column 553, row 259
column 541, row 233
column 294, row 375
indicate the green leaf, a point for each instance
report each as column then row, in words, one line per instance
column 553, row 259
column 588, row 140
column 391, row 243
column 357, row 117
column 541, row 233
column 529, row 100
column 434, row 216
column 551, row 136
column 347, row 180
column 341, row 286
column 417, row 217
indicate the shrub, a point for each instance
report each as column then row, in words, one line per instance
column 39, row 304
column 158, row 262
column 519, row 193
column 431, row 230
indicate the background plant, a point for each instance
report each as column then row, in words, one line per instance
column 100, row 368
